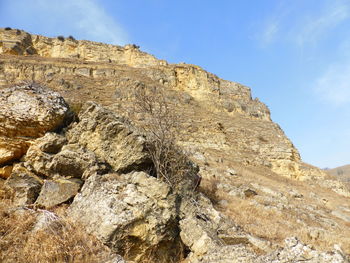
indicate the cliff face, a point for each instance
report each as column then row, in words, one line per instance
column 251, row 200
column 18, row 42
column 222, row 114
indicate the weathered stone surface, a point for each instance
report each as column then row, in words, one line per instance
column 27, row 112
column 55, row 192
column 51, row 142
column 41, row 152
column 73, row 160
column 12, row 148
column 210, row 236
column 132, row 213
column 5, row 171
column 112, row 140
column 30, row 110
column 25, row 184
column 18, row 42
column 296, row 251
column 49, row 156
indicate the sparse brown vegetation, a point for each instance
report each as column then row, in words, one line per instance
column 262, row 216
column 58, row 241
column 161, row 126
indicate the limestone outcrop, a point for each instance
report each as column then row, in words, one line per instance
column 133, row 213
column 97, row 170
column 110, row 138
column 27, row 112
column 19, row 42
column 83, row 72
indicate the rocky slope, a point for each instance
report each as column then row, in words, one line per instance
column 255, row 192
column 342, row 172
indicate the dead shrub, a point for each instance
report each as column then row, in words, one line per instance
column 161, row 126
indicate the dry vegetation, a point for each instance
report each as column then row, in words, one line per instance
column 21, row 240
column 260, row 216
column 161, row 126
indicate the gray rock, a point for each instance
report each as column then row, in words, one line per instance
column 51, row 143
column 49, row 157
column 132, row 213
column 41, row 152
column 30, row 110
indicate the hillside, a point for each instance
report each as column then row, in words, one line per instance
column 341, row 172
column 251, row 172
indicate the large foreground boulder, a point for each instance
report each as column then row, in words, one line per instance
column 134, row 214
column 27, row 112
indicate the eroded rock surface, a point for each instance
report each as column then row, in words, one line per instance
column 133, row 213
column 110, row 138
column 27, row 112
column 25, row 184
column 55, row 192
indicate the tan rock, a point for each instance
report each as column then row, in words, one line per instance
column 25, row 184
column 27, row 112
column 5, row 171
column 12, row 148
column 55, row 192
column 109, row 138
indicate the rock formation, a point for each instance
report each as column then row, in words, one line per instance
column 252, row 204
column 26, row 113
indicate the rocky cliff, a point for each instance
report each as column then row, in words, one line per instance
column 255, row 193
column 226, row 108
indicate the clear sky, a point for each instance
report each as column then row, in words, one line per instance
column 294, row 54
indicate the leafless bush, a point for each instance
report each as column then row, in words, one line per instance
column 161, row 125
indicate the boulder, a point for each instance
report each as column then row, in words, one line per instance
column 110, row 138
column 25, row 184
column 27, row 112
column 51, row 143
column 55, row 192
column 50, row 156
column 134, row 214
column 73, row 161
column 41, row 152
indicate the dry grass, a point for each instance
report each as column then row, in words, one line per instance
column 59, row 241
column 260, row 216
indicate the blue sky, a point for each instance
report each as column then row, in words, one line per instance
column 294, row 54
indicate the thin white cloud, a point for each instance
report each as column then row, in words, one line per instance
column 333, row 86
column 293, row 24
column 317, row 26
column 270, row 32
column 84, row 18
